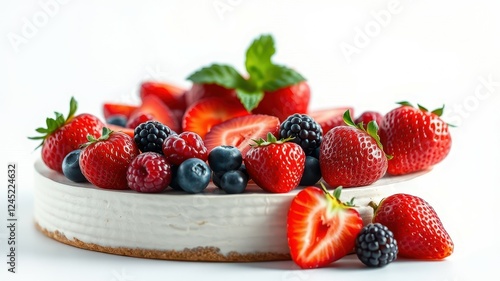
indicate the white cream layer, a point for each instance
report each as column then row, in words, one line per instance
column 251, row 222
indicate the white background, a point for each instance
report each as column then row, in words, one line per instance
column 427, row 52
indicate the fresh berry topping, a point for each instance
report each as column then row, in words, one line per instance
column 312, row 172
column 149, row 172
column 117, row 119
column 368, row 116
column 415, row 137
column 330, row 118
column 216, row 177
column 352, row 156
column 169, row 94
column 63, row 135
column 304, row 131
column 320, row 228
column 115, row 128
column 268, row 89
column 240, row 131
column 206, row 113
column 153, row 106
column 201, row 91
column 138, row 119
column 173, row 183
column 71, row 167
column 275, row 166
column 225, row 158
column 415, row 225
column 376, row 246
column 110, row 109
column 233, row 182
column 150, row 136
column 104, row 161
column 193, row 175
column 178, row 148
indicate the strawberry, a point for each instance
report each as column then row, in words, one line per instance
column 171, row 95
column 368, row 116
column 117, row 128
column 330, row 118
column 415, row 225
column 275, row 166
column 206, row 113
column 153, row 107
column 104, row 161
column 320, row 228
column 285, row 101
column 64, row 135
column 201, row 91
column 352, row 156
column 109, row 109
column 267, row 88
column 240, row 131
column 415, row 137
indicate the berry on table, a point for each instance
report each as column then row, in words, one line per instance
column 149, row 172
column 376, row 246
column 193, row 175
column 224, row 158
column 312, row 172
column 304, row 130
column 368, row 116
column 149, row 136
column 71, row 167
column 178, row 148
column 233, row 182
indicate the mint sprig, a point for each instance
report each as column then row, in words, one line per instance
column 263, row 74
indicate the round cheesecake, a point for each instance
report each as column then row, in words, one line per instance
column 173, row 225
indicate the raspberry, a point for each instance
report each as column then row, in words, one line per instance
column 149, row 136
column 178, row 148
column 376, row 246
column 304, row 130
column 149, row 172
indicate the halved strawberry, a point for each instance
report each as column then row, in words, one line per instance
column 170, row 94
column 208, row 112
column 320, row 228
column 241, row 131
column 201, row 91
column 116, row 128
column 110, row 109
column 330, row 118
column 152, row 105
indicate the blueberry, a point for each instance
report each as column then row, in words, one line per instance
column 118, row 119
column 193, row 175
column 173, row 183
column 233, row 182
column 312, row 172
column 216, row 176
column 243, row 169
column 315, row 153
column 71, row 166
column 224, row 158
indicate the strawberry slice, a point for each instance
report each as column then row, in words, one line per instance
column 170, row 94
column 320, row 228
column 153, row 106
column 206, row 113
column 241, row 131
column 110, row 109
column 116, row 128
column 330, row 118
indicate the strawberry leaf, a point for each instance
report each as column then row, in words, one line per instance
column 279, row 76
column 404, row 103
column 223, row 75
column 438, row 111
column 258, row 57
column 249, row 99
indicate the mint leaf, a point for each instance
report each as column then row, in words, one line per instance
column 249, row 99
column 258, row 57
column 223, row 75
column 279, row 76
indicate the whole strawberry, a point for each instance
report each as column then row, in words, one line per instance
column 291, row 99
column 352, row 156
column 416, row 138
column 320, row 228
column 63, row 135
column 104, row 161
column 275, row 166
column 415, row 225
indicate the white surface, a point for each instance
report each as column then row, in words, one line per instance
column 430, row 52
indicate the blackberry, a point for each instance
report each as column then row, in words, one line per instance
column 305, row 131
column 376, row 246
column 149, row 136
